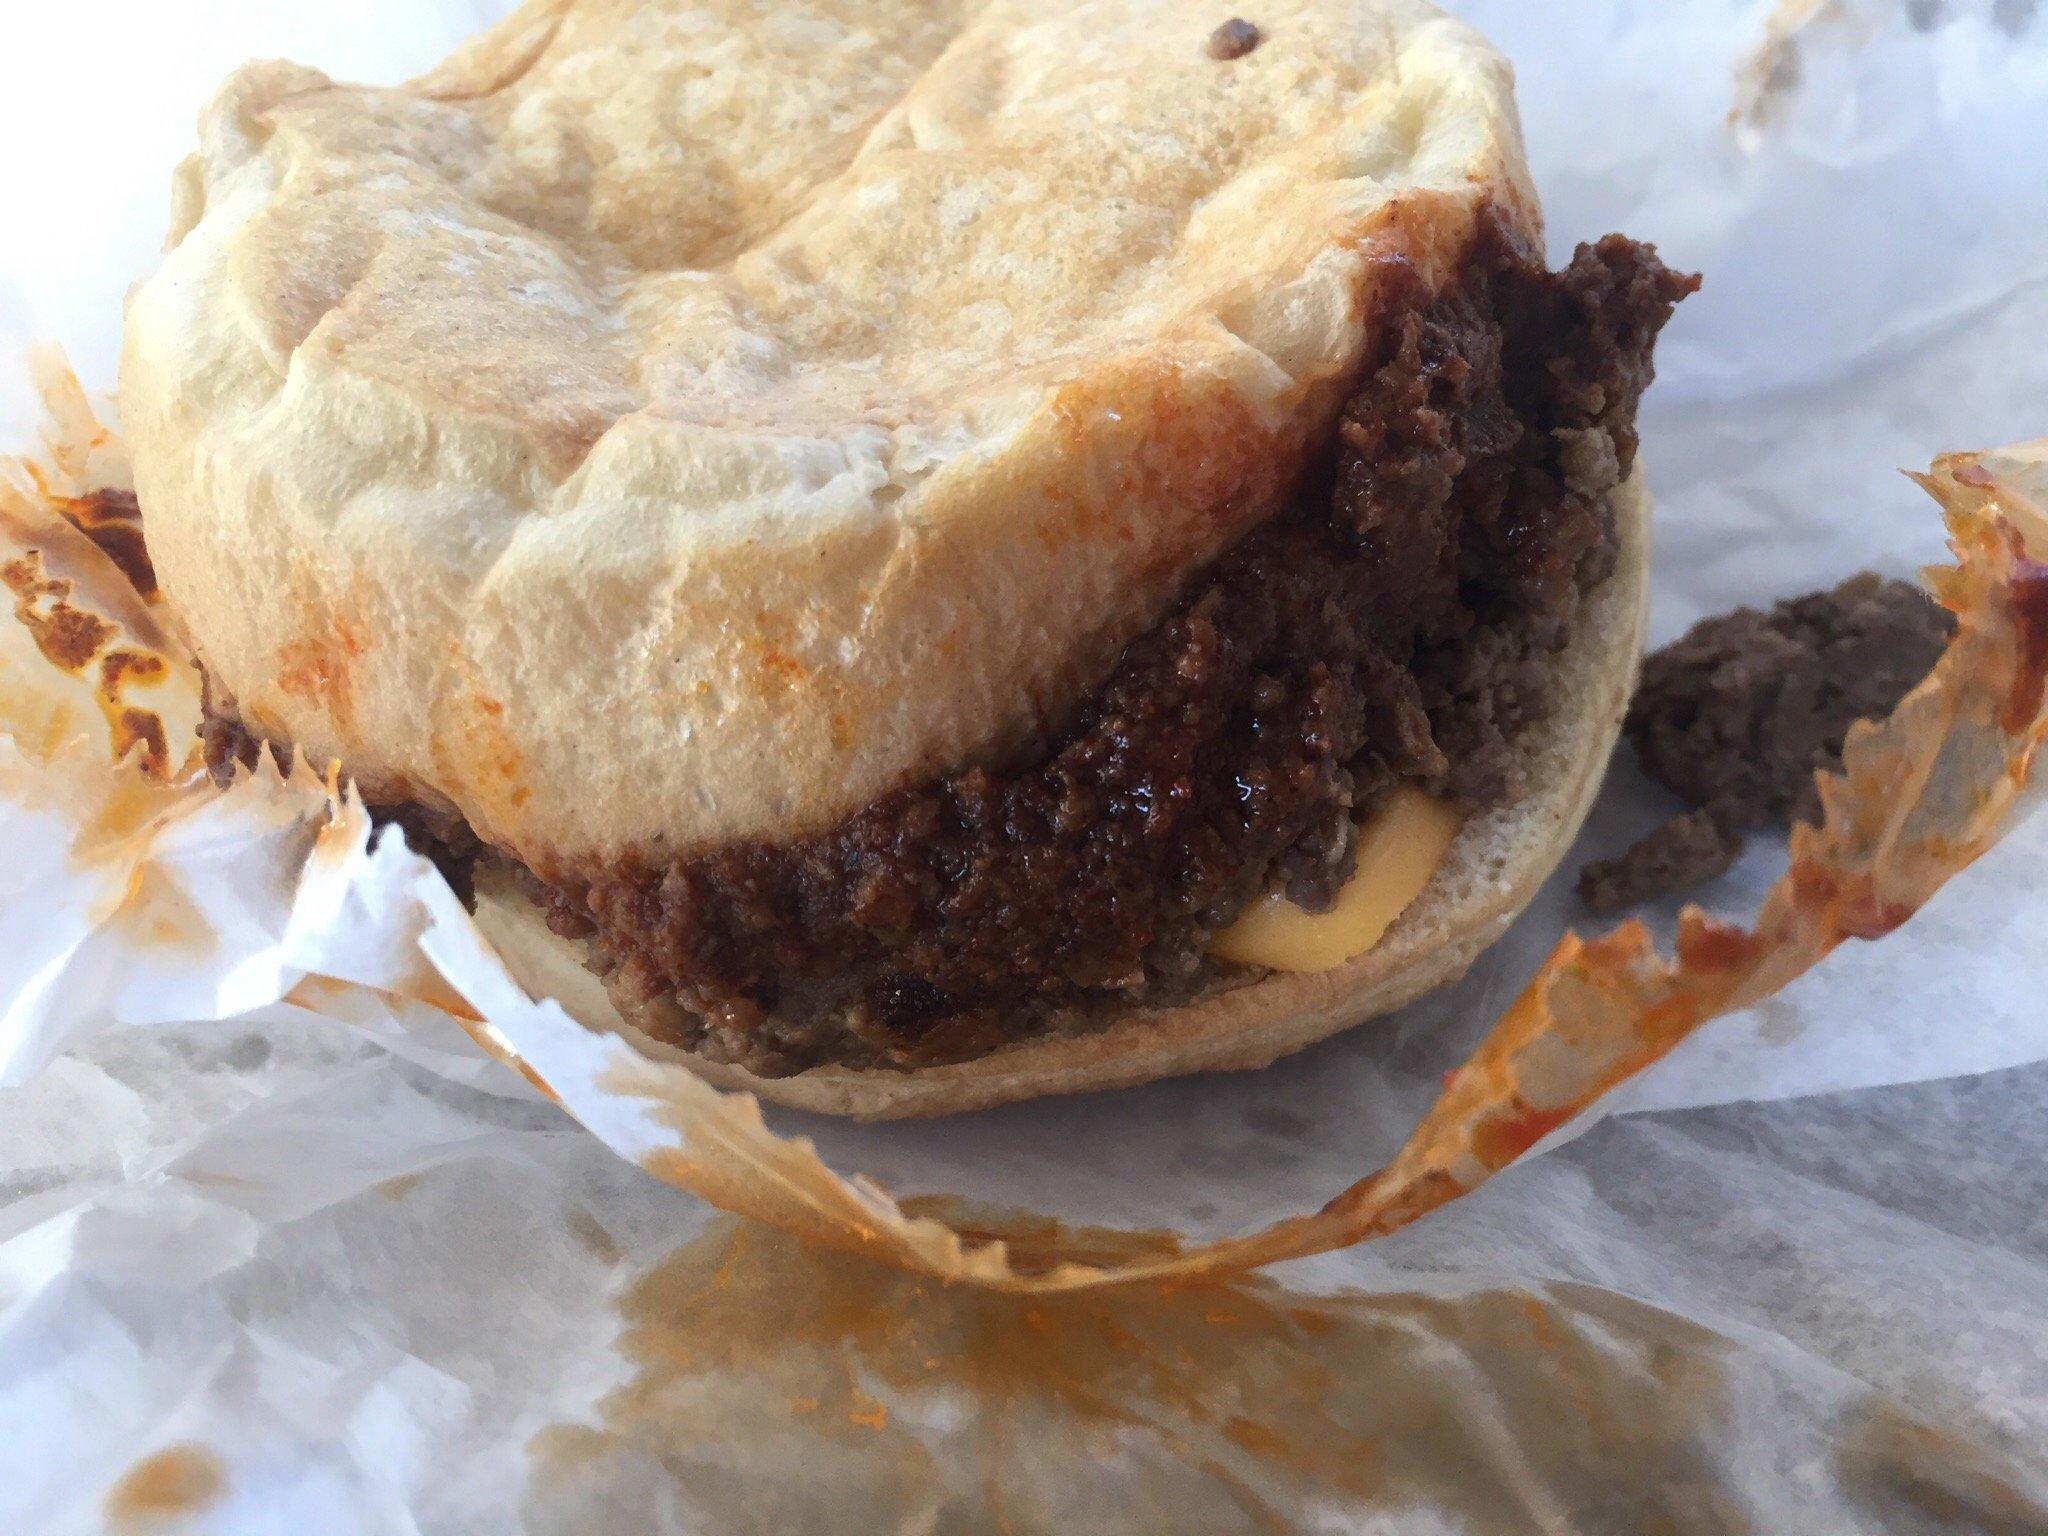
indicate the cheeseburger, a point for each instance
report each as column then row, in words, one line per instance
column 916, row 554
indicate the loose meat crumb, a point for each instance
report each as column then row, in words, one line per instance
column 1233, row 40
column 1688, row 850
column 1738, row 715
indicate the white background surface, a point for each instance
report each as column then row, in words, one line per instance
column 1843, row 1191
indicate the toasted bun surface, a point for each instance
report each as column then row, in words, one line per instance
column 670, row 423
column 1492, row 870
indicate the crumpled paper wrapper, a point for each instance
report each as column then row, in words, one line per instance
column 326, row 1262
column 143, row 888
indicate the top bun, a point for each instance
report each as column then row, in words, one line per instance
column 665, row 424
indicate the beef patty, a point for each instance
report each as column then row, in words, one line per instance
column 1393, row 622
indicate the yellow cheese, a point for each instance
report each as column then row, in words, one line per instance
column 1398, row 850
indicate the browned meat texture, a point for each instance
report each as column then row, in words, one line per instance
column 1738, row 714
column 1395, row 622
column 1688, row 850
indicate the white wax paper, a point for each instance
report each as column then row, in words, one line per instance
column 324, row 1266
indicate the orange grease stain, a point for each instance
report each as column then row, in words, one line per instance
column 1851, row 898
column 867, row 1393
column 480, row 752
column 782, row 668
column 175, row 924
column 1201, row 445
column 867, row 1412
column 119, row 668
column 113, row 521
column 133, row 728
column 1710, row 946
column 2029, row 608
column 177, row 1481
column 319, row 670
column 1503, row 1137
column 68, row 637
column 132, row 807
column 472, row 1023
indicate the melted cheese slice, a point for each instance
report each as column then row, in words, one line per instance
column 1398, row 850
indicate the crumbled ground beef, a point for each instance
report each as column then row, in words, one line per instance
column 1394, row 622
column 1737, row 715
column 1688, row 850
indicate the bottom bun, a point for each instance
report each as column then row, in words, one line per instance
column 1491, row 872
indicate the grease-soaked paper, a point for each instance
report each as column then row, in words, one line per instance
column 327, row 1264
column 144, row 893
